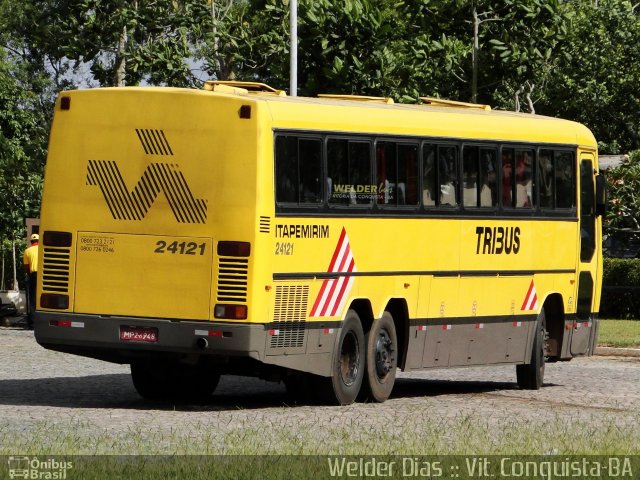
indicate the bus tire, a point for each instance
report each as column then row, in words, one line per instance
column 347, row 369
column 173, row 381
column 530, row 376
column 381, row 360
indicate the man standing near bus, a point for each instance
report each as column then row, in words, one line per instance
column 30, row 261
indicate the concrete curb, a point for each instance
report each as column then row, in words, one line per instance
column 618, row 352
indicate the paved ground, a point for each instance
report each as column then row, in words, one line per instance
column 63, row 398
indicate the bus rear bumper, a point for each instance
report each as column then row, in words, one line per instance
column 229, row 344
column 109, row 338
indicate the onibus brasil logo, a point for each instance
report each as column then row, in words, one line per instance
column 36, row 468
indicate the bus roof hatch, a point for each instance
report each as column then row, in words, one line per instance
column 439, row 102
column 242, row 88
column 356, row 98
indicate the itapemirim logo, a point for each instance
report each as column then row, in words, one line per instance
column 38, row 469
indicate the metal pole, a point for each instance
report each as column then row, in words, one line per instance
column 293, row 65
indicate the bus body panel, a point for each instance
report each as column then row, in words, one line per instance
column 160, row 188
column 143, row 275
column 154, row 193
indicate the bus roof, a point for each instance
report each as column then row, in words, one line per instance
column 439, row 118
column 423, row 120
column 377, row 115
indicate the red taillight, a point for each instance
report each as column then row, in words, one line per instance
column 60, row 323
column 233, row 312
column 65, row 103
column 66, row 323
column 54, row 301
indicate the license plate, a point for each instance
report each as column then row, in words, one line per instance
column 139, row 334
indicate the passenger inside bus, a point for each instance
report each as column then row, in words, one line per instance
column 507, row 177
column 523, row 180
column 448, row 173
column 429, row 176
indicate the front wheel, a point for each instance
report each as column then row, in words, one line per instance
column 382, row 359
column 530, row 376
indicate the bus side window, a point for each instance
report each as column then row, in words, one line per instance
column 310, row 170
column 429, row 175
column 507, row 175
column 298, row 170
column 546, row 180
column 479, row 177
column 349, row 168
column 488, row 178
column 565, row 179
column 360, row 171
column 386, row 173
column 407, row 174
column 337, row 171
column 524, row 178
column 470, row 176
column 286, row 169
column 448, row 175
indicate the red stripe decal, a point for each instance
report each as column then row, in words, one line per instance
column 526, row 298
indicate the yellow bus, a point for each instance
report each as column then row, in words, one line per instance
column 321, row 242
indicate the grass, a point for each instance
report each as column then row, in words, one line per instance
column 279, row 449
column 619, row 333
column 286, row 450
column 429, row 434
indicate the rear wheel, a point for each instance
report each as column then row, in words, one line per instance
column 530, row 376
column 347, row 369
column 381, row 360
column 173, row 381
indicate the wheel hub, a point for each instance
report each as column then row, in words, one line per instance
column 349, row 359
column 384, row 354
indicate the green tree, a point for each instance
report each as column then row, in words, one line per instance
column 623, row 187
column 596, row 81
column 520, row 43
column 23, row 134
column 121, row 42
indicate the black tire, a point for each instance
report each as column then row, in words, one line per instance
column 173, row 381
column 530, row 376
column 347, row 369
column 381, row 360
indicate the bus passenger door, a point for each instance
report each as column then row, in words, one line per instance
column 589, row 258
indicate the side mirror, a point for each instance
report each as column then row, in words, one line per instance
column 601, row 195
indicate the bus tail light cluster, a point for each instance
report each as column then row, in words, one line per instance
column 234, row 312
column 56, row 252
column 233, row 280
column 54, row 301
